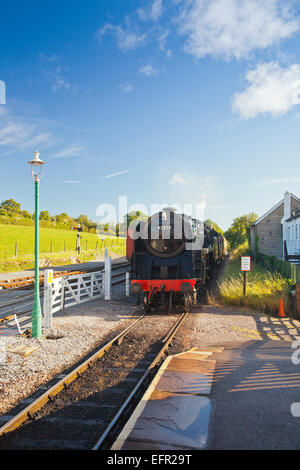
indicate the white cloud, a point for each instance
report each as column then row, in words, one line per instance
column 272, row 90
column 152, row 12
column 20, row 133
column 179, row 178
column 71, row 151
column 127, row 40
column 126, row 87
column 157, row 9
column 162, row 40
column 147, row 70
column 115, row 174
column 54, row 73
column 234, row 28
column 71, row 182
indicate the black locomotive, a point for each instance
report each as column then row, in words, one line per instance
column 172, row 256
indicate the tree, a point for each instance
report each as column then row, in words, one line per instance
column 135, row 215
column 10, row 206
column 26, row 214
column 62, row 218
column 239, row 231
column 44, row 215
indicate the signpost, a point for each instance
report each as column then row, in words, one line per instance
column 245, row 267
column 79, row 229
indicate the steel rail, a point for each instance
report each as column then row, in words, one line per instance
column 50, row 394
column 114, row 428
column 16, row 300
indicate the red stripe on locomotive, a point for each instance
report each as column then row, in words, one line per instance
column 148, row 285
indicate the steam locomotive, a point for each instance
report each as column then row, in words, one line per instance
column 172, row 257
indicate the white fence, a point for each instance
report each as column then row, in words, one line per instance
column 67, row 291
column 64, row 292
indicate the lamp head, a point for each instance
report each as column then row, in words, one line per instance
column 36, row 166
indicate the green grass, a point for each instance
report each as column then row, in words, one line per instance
column 63, row 247
column 264, row 289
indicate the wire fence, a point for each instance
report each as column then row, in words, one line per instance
column 20, row 248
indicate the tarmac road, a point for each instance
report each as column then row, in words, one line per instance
column 255, row 383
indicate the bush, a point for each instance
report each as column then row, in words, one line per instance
column 264, row 288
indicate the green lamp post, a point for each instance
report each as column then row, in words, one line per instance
column 37, row 172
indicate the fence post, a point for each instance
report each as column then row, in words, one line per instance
column 48, row 317
column 107, row 276
column 65, row 247
column 127, row 284
column 16, row 250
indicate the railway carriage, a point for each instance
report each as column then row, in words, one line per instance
column 172, row 257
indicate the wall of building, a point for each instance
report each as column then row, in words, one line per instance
column 269, row 232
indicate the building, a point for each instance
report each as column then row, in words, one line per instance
column 275, row 232
column 291, row 228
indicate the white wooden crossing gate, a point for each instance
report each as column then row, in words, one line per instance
column 71, row 290
column 66, row 291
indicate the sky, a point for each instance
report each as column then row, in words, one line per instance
column 163, row 101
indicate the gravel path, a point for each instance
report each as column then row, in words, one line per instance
column 84, row 327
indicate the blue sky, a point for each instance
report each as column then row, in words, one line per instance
column 165, row 101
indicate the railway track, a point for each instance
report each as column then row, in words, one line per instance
column 87, row 408
column 28, row 282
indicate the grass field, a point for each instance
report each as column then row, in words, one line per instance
column 56, row 246
column 264, row 288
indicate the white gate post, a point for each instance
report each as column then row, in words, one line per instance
column 127, row 283
column 107, row 277
column 48, row 279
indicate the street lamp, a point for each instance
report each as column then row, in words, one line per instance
column 37, row 172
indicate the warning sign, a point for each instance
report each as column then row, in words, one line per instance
column 246, row 263
column 50, row 276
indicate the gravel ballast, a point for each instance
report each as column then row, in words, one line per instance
column 80, row 329
column 77, row 331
